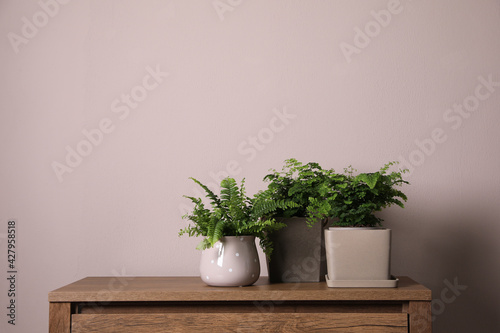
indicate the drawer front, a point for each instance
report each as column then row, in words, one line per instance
column 240, row 322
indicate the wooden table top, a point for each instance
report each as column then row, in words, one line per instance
column 149, row 289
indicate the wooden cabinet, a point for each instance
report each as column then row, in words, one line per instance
column 186, row 304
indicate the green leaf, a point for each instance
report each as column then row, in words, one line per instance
column 369, row 178
column 204, row 244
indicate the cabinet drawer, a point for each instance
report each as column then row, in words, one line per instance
column 240, row 322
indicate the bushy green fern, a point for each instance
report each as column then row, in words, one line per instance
column 234, row 214
column 348, row 199
column 308, row 185
column 360, row 196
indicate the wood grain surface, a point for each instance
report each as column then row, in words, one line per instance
column 186, row 304
column 240, row 322
column 59, row 317
column 123, row 289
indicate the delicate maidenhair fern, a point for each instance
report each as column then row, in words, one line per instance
column 321, row 193
column 234, row 214
column 307, row 185
column 359, row 197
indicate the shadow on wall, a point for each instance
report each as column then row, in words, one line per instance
column 465, row 298
column 458, row 262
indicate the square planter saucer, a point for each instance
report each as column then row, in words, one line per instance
column 392, row 283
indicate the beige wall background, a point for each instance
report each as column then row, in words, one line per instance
column 107, row 107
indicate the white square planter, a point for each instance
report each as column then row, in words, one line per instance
column 358, row 254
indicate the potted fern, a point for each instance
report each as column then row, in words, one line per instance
column 229, row 228
column 357, row 247
column 299, row 254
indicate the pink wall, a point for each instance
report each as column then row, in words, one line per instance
column 148, row 93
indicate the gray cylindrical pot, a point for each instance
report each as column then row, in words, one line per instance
column 358, row 253
column 232, row 262
column 299, row 252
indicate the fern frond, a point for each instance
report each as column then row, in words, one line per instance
column 218, row 232
column 215, row 201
